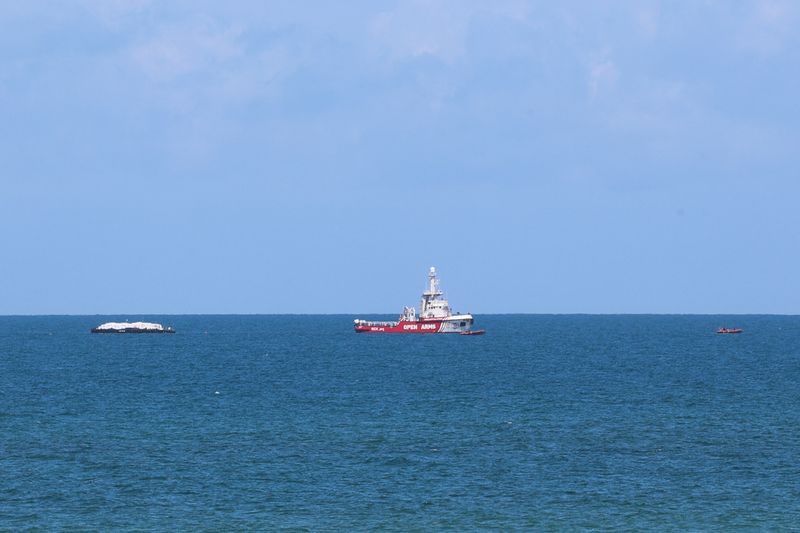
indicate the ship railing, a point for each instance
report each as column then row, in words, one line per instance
column 369, row 323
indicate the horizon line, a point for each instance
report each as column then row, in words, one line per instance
column 356, row 314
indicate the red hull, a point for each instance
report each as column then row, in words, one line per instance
column 422, row 326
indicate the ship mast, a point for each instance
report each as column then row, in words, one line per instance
column 432, row 293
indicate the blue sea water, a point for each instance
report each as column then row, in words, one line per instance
column 547, row 423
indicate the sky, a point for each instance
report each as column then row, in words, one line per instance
column 318, row 157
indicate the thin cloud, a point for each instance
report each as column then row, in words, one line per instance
column 647, row 20
column 420, row 29
column 603, row 76
column 114, row 13
column 770, row 25
column 437, row 29
column 183, row 50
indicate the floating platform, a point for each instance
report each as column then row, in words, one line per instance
column 132, row 327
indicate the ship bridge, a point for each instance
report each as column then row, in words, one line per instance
column 433, row 304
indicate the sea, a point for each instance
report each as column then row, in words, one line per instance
column 296, row 423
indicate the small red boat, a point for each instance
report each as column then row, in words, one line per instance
column 473, row 332
column 729, row 330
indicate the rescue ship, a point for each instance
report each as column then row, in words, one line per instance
column 434, row 316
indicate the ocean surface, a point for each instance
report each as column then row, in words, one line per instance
column 546, row 423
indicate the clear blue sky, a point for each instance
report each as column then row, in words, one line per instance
column 263, row 157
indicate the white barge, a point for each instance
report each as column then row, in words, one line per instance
column 132, row 327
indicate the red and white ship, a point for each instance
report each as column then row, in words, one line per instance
column 434, row 316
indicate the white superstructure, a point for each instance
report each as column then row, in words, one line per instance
column 434, row 306
column 433, row 303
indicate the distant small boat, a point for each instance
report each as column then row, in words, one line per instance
column 729, row 330
column 473, row 332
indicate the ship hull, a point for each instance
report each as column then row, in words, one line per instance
column 418, row 327
column 133, row 330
